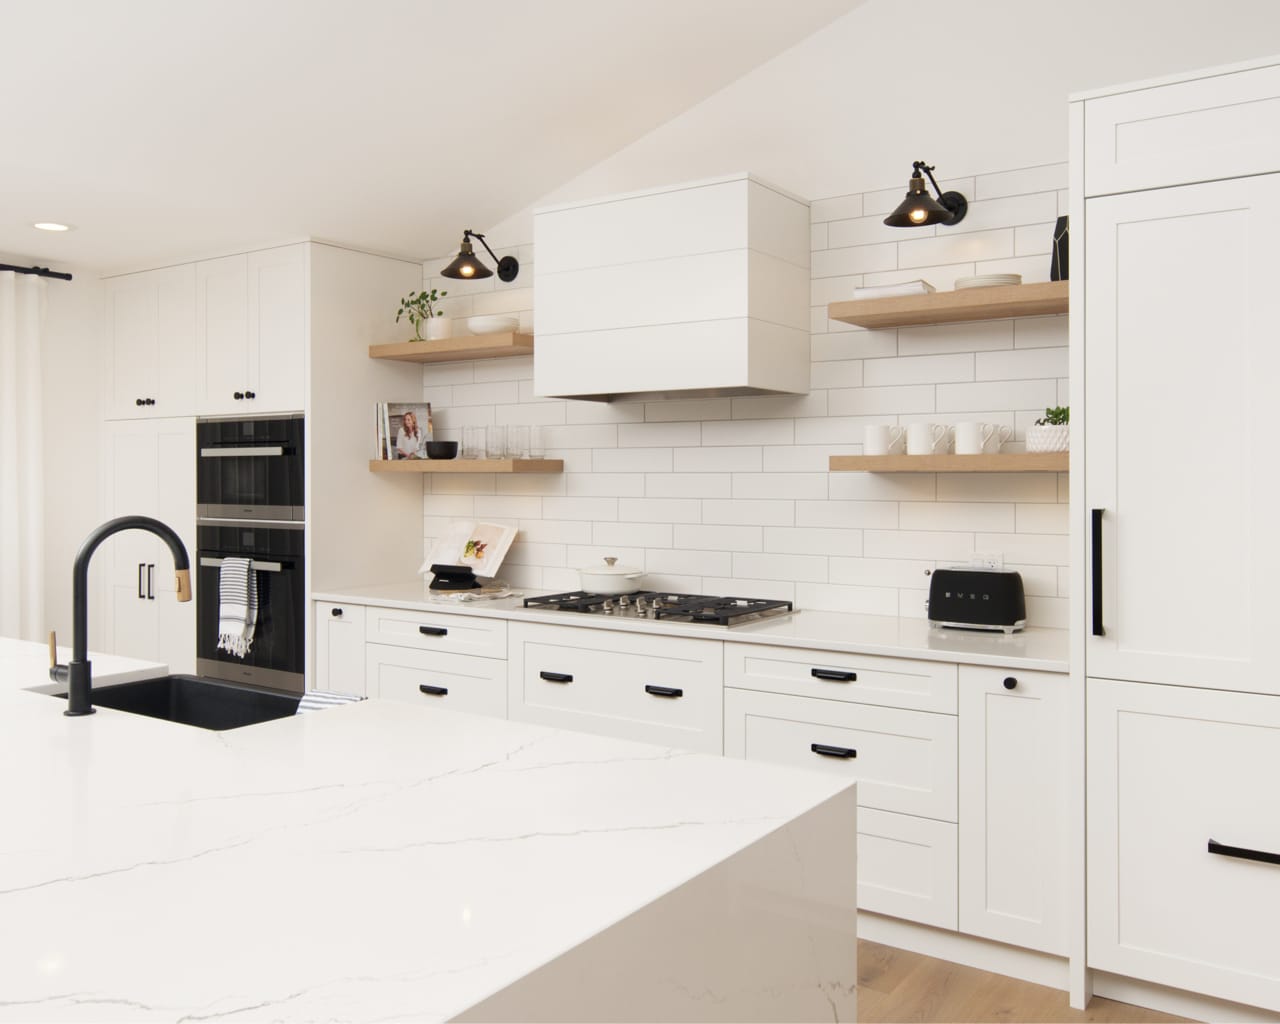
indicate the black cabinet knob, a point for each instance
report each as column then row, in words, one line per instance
column 250, row 394
column 151, row 401
column 237, row 395
column 336, row 613
column 139, row 401
column 1010, row 683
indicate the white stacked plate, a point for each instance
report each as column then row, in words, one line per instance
column 492, row 324
column 987, row 280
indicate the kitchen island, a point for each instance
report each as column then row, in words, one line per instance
column 380, row 861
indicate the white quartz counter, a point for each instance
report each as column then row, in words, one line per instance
column 1033, row 648
column 370, row 861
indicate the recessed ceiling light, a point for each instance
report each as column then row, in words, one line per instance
column 49, row 225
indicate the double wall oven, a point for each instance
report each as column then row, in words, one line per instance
column 250, row 504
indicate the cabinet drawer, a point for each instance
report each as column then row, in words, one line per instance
column 903, row 761
column 1171, row 769
column 437, row 631
column 664, row 690
column 477, row 685
column 863, row 679
column 1219, row 126
column 907, row 867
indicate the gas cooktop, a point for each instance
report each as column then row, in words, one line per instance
column 658, row 605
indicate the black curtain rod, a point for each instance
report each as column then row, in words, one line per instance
column 38, row 271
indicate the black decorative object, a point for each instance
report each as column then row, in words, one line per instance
column 466, row 267
column 1060, row 266
column 454, row 577
column 920, row 208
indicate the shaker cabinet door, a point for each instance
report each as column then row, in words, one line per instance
column 1181, row 434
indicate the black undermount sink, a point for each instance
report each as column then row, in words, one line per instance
column 193, row 700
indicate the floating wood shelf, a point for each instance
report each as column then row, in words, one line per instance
column 1013, row 462
column 467, row 466
column 999, row 303
column 474, row 346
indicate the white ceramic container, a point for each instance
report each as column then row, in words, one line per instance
column 610, row 578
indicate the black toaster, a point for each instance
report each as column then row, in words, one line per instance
column 972, row 598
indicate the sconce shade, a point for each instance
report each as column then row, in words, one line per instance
column 919, row 208
column 467, row 267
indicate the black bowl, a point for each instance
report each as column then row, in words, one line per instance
column 442, row 449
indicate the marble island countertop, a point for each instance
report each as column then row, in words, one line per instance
column 384, row 861
column 892, row 636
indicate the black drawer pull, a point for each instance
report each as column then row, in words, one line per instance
column 556, row 677
column 434, row 691
column 336, row 613
column 433, row 631
column 664, row 691
column 829, row 751
column 1244, row 854
column 833, row 676
column 1095, row 543
column 1010, row 683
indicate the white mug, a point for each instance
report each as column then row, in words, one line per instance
column 882, row 440
column 999, row 436
column 972, row 438
column 926, row 439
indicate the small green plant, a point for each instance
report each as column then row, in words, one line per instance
column 420, row 307
column 1055, row 417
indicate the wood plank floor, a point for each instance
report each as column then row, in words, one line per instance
column 897, row 986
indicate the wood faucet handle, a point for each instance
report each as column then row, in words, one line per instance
column 182, row 582
column 53, row 648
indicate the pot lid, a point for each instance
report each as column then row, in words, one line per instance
column 611, row 568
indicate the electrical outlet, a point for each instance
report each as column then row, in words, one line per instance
column 987, row 560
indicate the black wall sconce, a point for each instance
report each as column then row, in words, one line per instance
column 920, row 208
column 467, row 268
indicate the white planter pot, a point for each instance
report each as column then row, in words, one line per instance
column 1049, row 437
column 439, row 328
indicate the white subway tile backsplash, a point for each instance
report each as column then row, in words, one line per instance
column 735, row 496
column 688, row 485
column 955, row 515
column 938, row 369
column 793, row 568
column 748, row 432
column 660, row 510
column 812, row 540
column 632, row 460
column 747, row 512
column 719, row 537
column 780, row 485
column 648, row 535
column 718, row 460
column 654, row 435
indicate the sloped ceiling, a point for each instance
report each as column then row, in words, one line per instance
column 166, row 130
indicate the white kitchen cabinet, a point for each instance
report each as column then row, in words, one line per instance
column 1179, row 460
column 1014, row 832
column 340, row 648
column 655, row 689
column 150, row 471
column 437, row 631
column 689, row 289
column 907, row 867
column 454, row 681
column 149, row 326
column 1172, row 771
column 251, row 331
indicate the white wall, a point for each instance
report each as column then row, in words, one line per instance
column 734, row 495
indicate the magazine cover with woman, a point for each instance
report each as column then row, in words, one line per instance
column 404, row 428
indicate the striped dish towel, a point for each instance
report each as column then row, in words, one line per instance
column 318, row 700
column 237, row 606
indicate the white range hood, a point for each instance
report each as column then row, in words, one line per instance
column 684, row 291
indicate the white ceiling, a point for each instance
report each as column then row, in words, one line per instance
column 171, row 129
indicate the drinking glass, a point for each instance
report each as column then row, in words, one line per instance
column 495, row 441
column 518, row 442
column 537, row 443
column 473, row 442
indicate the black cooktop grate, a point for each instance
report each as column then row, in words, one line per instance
column 658, row 605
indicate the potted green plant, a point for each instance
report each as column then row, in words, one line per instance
column 423, row 307
column 1050, row 433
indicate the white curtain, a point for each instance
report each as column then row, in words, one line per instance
column 22, row 314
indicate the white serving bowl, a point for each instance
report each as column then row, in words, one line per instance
column 492, row 324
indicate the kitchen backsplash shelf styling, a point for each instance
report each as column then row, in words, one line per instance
column 998, row 303
column 1012, row 462
column 474, row 346
column 467, row 466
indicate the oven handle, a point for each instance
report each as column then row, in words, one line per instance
column 213, row 563
column 230, row 453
